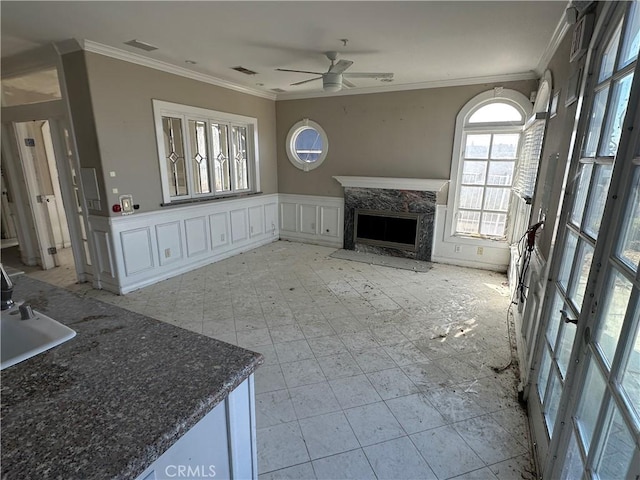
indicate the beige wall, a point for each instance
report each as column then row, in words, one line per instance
column 396, row 134
column 121, row 95
column 557, row 141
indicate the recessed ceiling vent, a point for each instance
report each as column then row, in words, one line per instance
column 246, row 71
column 147, row 47
column 278, row 90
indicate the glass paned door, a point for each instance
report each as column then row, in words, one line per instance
column 592, row 308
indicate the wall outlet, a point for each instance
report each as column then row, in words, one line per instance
column 167, row 252
column 114, row 190
column 480, row 251
column 456, row 248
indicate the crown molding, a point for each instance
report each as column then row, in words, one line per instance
column 558, row 35
column 131, row 57
column 389, row 183
column 511, row 77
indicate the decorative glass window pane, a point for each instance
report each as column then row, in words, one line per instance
column 543, row 376
column 612, row 315
column 468, row 222
column 618, row 450
column 501, row 173
column 551, row 409
column 609, row 55
column 174, row 151
column 631, row 43
column 493, row 224
column 631, row 373
column 565, row 346
column 554, row 319
column 496, row 112
column 199, row 156
column 573, row 466
column 583, row 266
column 474, row 173
column 239, row 139
column 615, row 116
column 581, row 193
column 505, row 147
column 629, row 246
column 590, row 401
column 567, row 259
column 599, row 190
column 497, row 199
column 308, row 145
column 220, row 151
column 471, row 197
column 477, row 146
column 595, row 122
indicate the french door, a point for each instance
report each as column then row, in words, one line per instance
column 586, row 405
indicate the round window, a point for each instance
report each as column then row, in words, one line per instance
column 307, row 145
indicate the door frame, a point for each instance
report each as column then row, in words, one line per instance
column 552, row 452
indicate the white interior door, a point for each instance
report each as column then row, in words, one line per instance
column 585, row 410
column 39, row 185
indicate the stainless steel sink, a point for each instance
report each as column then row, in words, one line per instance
column 23, row 339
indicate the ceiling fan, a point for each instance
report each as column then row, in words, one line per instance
column 334, row 78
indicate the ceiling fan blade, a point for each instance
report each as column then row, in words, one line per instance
column 307, row 81
column 341, row 66
column 368, row 75
column 347, row 83
column 297, row 71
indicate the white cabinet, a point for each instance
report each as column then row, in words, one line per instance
column 222, row 445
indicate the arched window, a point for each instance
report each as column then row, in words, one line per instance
column 487, row 143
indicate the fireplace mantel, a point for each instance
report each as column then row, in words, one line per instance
column 388, row 183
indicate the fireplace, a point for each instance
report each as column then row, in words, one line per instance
column 390, row 216
column 383, row 228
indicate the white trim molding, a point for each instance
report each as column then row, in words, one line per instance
column 312, row 219
column 108, row 51
column 388, row 183
column 142, row 249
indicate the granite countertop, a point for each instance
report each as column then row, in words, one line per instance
column 111, row 400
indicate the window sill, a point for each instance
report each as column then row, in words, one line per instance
column 218, row 198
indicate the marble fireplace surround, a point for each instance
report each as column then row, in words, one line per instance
column 397, row 195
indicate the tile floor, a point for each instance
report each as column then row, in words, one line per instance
column 370, row 372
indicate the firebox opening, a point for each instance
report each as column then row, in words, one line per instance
column 391, row 229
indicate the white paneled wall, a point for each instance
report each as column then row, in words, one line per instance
column 141, row 249
column 312, row 219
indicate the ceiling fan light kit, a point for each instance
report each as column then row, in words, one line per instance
column 334, row 78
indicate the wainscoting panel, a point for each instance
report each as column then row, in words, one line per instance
column 138, row 250
column 330, row 221
column 142, row 249
column 312, row 219
column 239, row 225
column 308, row 219
column 288, row 217
column 256, row 220
column 169, row 237
column 105, row 257
column 196, row 233
column 219, row 230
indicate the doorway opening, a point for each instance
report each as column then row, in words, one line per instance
column 35, row 220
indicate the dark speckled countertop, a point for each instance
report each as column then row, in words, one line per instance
column 111, row 400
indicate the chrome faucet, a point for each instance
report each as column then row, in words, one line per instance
column 6, row 301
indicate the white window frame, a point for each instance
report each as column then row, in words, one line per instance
column 463, row 127
column 292, row 136
column 186, row 113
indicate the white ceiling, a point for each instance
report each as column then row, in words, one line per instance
column 421, row 42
